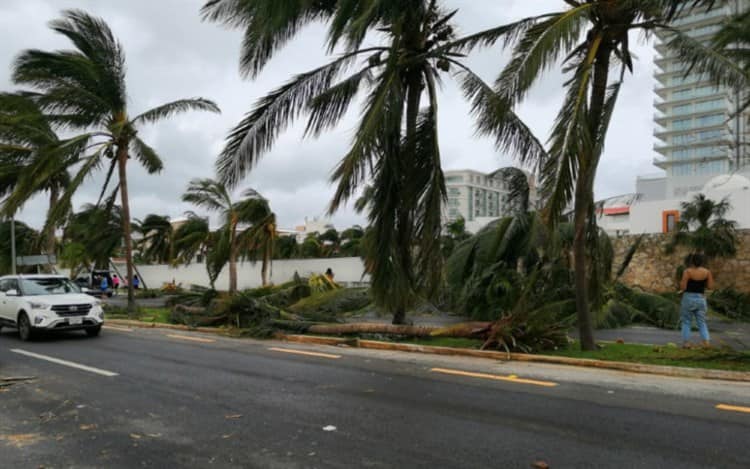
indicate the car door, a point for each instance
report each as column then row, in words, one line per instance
column 13, row 302
column 4, row 301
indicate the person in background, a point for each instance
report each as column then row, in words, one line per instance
column 136, row 282
column 116, row 283
column 696, row 279
column 104, row 285
column 329, row 274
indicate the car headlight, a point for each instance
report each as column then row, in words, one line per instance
column 38, row 305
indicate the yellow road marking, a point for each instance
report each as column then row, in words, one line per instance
column 303, row 352
column 194, row 339
column 511, row 378
column 734, row 408
column 116, row 328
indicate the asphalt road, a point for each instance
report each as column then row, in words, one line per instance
column 158, row 399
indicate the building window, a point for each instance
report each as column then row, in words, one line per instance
column 454, row 179
column 669, row 219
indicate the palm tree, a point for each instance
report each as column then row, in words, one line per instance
column 592, row 38
column 351, row 241
column 157, row 244
column 330, row 242
column 92, row 237
column 26, row 242
column 33, row 159
column 84, row 89
column 704, row 229
column 248, row 224
column 194, row 238
column 285, row 247
column 395, row 143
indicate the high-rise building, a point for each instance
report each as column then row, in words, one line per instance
column 697, row 136
column 479, row 197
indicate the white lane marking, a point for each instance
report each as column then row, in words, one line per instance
column 90, row 369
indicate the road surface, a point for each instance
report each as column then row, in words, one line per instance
column 159, row 398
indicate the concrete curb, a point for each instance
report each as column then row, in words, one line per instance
column 673, row 371
column 150, row 325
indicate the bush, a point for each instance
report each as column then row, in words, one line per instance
column 649, row 308
column 731, row 303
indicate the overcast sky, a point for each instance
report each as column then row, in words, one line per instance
column 172, row 54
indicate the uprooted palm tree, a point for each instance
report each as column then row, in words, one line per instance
column 249, row 226
column 396, row 142
column 33, row 159
column 592, row 38
column 84, row 89
column 703, row 228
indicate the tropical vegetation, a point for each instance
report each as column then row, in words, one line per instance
column 704, row 229
column 248, row 224
column 84, row 90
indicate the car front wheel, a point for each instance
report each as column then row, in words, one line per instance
column 24, row 328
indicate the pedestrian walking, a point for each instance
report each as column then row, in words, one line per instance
column 695, row 281
column 136, row 282
column 116, row 284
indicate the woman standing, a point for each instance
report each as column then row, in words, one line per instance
column 695, row 280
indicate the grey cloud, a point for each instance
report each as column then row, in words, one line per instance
column 172, row 54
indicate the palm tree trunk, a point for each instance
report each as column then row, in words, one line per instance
column 49, row 235
column 584, row 198
column 122, row 161
column 405, row 225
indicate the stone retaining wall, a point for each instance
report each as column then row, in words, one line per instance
column 654, row 270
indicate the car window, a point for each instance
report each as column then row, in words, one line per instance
column 48, row 286
column 4, row 285
column 10, row 284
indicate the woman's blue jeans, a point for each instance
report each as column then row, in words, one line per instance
column 693, row 306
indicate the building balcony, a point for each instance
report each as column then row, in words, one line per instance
column 666, row 164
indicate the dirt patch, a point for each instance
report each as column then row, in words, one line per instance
column 21, row 440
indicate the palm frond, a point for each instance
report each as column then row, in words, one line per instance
column 209, row 194
column 257, row 132
column 146, row 155
column 268, row 24
column 168, row 110
column 539, row 48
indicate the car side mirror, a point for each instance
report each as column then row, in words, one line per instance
column 11, row 293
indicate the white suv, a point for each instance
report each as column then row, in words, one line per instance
column 33, row 303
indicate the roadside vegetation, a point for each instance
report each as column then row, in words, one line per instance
column 522, row 282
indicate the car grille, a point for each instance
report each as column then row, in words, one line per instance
column 71, row 310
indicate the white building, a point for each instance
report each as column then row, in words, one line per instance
column 479, row 198
column 697, row 136
column 314, row 225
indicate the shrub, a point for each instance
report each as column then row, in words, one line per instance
column 731, row 303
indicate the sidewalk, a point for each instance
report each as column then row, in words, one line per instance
column 733, row 334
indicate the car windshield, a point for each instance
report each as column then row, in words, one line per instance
column 47, row 286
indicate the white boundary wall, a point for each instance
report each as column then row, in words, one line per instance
column 345, row 269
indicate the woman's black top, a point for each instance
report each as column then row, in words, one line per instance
column 696, row 286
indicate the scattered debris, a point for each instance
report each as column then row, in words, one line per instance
column 620, row 341
column 86, row 427
column 540, row 465
column 20, row 440
column 135, row 436
column 227, row 436
column 329, row 428
column 233, row 416
column 11, row 380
